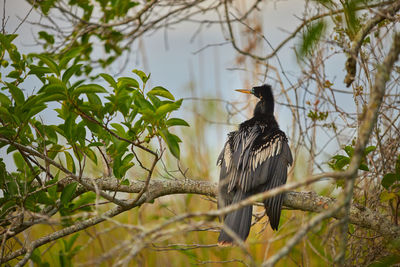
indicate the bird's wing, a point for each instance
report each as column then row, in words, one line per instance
column 254, row 161
column 227, row 173
column 265, row 162
column 230, row 159
column 264, row 168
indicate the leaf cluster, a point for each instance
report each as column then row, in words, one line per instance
column 391, row 183
column 341, row 162
column 108, row 118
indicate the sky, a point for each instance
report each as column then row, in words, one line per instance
column 176, row 63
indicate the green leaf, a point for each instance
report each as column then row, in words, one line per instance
column 342, row 162
column 70, row 162
column 155, row 100
column 96, row 144
column 89, row 88
column 369, row 149
column 54, row 150
column 349, row 150
column 338, row 157
column 39, row 70
column 67, row 193
column 109, row 79
column 91, row 155
column 125, row 182
column 94, row 100
column 69, row 127
column 16, row 93
column 161, row 91
column 397, row 166
column 47, row 37
column 54, row 88
column 31, row 102
column 12, row 188
column 363, row 167
column 176, row 122
column 81, row 133
column 5, row 114
column 388, row 180
column 51, row 134
column 141, row 102
column 127, row 81
column 6, row 40
column 338, row 162
column 84, row 199
column 49, row 62
column 14, row 74
column 52, row 191
column 4, row 100
column 127, row 159
column 311, row 37
column 43, row 198
column 47, row 5
column 119, row 128
column 117, row 166
column 19, row 161
column 172, row 143
column 141, row 75
column 7, row 132
column 72, row 53
column 168, row 107
column 53, row 97
column 126, row 164
column 36, row 109
column 70, row 71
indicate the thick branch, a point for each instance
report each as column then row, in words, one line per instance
column 306, row 201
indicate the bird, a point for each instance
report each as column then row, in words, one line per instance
column 254, row 159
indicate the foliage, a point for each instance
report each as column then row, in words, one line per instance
column 390, row 180
column 391, row 194
column 310, row 38
column 108, row 121
column 339, row 162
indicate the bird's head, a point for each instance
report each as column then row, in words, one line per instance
column 266, row 104
column 263, row 92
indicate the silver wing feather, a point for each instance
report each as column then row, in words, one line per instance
column 247, row 169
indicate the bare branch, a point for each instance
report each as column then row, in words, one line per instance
column 351, row 62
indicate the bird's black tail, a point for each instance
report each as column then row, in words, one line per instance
column 239, row 221
column 273, row 207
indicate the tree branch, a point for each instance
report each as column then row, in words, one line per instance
column 306, row 201
column 293, row 34
column 351, row 63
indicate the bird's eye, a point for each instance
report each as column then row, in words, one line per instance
column 252, row 91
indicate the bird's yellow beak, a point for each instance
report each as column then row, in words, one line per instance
column 243, row 91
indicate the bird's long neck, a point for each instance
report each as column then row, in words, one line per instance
column 264, row 111
column 263, row 114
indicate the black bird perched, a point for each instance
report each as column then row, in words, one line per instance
column 254, row 159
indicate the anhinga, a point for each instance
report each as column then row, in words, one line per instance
column 254, row 159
